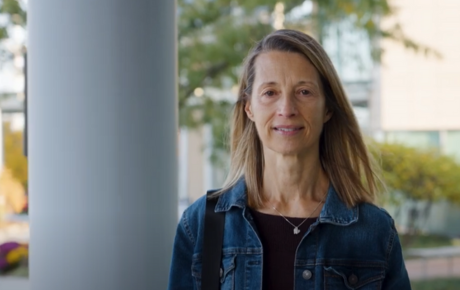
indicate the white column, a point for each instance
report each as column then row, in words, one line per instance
column 183, row 171
column 102, row 143
column 183, row 164
column 207, row 153
column 375, row 105
column 443, row 136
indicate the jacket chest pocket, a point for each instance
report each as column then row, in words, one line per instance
column 353, row 277
column 227, row 272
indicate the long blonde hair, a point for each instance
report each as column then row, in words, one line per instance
column 343, row 153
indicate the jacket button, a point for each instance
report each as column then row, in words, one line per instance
column 221, row 272
column 306, row 274
column 353, row 279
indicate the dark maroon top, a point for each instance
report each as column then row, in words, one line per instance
column 279, row 247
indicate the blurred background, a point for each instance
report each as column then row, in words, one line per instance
column 399, row 62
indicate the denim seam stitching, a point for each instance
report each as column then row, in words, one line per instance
column 355, row 264
column 361, row 283
column 187, row 230
column 389, row 246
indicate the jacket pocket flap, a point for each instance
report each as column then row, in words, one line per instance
column 353, row 276
column 227, row 265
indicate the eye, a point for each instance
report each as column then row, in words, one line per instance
column 304, row 92
column 269, row 93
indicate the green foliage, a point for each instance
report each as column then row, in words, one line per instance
column 14, row 9
column 16, row 15
column 437, row 284
column 425, row 241
column 216, row 35
column 420, row 174
column 363, row 15
column 14, row 157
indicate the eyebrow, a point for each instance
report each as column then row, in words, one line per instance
column 299, row 83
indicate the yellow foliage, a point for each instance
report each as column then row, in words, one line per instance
column 12, row 192
column 14, row 157
column 420, row 174
column 16, row 255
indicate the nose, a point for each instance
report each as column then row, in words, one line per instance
column 287, row 106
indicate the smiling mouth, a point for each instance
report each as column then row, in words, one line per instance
column 288, row 129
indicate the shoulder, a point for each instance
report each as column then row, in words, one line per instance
column 369, row 209
column 381, row 226
column 376, row 217
column 193, row 216
column 196, row 207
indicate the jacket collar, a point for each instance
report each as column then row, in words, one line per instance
column 235, row 196
column 334, row 210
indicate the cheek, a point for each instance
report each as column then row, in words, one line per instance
column 262, row 118
column 262, row 126
column 319, row 113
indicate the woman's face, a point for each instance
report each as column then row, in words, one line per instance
column 287, row 103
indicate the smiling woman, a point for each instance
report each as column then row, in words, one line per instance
column 287, row 104
column 298, row 201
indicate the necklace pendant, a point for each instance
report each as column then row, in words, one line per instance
column 296, row 230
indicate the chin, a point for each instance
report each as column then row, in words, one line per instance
column 286, row 151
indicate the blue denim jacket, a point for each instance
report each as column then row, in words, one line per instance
column 347, row 248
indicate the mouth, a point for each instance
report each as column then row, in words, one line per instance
column 288, row 128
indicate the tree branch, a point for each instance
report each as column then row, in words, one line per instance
column 211, row 72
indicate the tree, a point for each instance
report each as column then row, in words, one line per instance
column 215, row 36
column 15, row 160
column 419, row 175
column 12, row 193
column 15, row 14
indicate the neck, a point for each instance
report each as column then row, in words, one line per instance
column 293, row 184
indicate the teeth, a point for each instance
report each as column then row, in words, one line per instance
column 286, row 130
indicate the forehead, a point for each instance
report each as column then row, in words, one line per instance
column 276, row 66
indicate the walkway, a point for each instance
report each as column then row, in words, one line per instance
column 13, row 283
column 418, row 269
column 433, row 268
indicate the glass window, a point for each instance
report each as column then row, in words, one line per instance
column 419, row 139
column 452, row 144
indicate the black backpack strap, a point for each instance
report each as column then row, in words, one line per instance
column 212, row 244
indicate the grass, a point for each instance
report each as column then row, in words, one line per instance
column 424, row 241
column 437, row 284
column 21, row 271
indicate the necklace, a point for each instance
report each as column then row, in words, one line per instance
column 296, row 228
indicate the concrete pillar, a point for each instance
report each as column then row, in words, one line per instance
column 102, row 143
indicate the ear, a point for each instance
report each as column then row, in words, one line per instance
column 327, row 115
column 248, row 110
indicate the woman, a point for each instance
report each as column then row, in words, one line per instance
column 298, row 201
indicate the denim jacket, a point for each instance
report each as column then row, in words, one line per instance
column 346, row 248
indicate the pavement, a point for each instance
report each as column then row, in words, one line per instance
column 14, row 283
column 420, row 269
